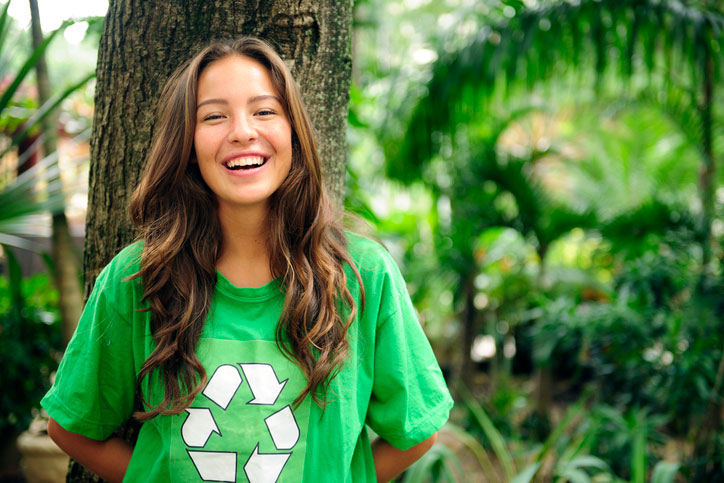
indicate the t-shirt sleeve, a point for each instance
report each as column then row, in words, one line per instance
column 93, row 392
column 410, row 400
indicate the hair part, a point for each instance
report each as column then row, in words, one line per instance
column 175, row 214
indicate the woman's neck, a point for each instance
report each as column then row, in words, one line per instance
column 244, row 258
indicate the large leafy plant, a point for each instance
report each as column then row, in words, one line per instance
column 29, row 343
column 21, row 198
column 29, row 329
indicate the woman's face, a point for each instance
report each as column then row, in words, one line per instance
column 243, row 138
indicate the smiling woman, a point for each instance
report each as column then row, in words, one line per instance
column 243, row 137
column 260, row 337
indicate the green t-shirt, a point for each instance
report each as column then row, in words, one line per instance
column 243, row 425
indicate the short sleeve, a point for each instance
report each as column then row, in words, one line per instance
column 93, row 392
column 410, row 400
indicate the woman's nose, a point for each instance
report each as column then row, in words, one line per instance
column 242, row 129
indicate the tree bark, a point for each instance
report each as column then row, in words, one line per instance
column 142, row 44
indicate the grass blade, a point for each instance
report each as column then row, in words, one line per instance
column 664, row 472
column 496, row 439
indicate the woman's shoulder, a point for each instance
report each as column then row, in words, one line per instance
column 125, row 264
column 365, row 249
column 116, row 288
column 369, row 255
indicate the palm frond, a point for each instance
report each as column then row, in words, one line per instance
column 44, row 111
column 4, row 25
column 623, row 37
column 653, row 217
column 38, row 190
column 28, row 65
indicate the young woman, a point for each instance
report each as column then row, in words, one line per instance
column 258, row 339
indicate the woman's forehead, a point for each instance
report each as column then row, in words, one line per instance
column 236, row 74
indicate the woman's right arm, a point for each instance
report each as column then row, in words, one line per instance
column 108, row 459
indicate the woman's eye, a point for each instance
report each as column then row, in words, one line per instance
column 265, row 112
column 212, row 117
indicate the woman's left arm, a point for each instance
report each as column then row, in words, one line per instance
column 390, row 461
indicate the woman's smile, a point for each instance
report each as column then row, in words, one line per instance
column 242, row 137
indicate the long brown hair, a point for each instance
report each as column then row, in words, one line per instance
column 175, row 214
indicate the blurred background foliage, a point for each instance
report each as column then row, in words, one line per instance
column 551, row 191
column 37, row 184
column 545, row 173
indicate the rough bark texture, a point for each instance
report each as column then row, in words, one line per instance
column 143, row 42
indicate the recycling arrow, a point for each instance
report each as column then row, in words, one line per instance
column 265, row 467
column 263, row 383
column 198, row 427
column 215, row 466
column 223, row 385
column 283, row 428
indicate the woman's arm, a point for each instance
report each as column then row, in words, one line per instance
column 390, row 461
column 108, row 459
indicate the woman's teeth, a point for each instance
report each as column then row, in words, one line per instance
column 245, row 163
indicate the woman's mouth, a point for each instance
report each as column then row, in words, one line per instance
column 246, row 162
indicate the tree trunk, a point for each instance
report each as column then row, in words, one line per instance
column 707, row 176
column 142, row 44
column 705, row 444
column 66, row 263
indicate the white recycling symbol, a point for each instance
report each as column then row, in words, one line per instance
column 200, row 424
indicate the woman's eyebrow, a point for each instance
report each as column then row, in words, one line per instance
column 253, row 99
column 264, row 97
column 212, row 101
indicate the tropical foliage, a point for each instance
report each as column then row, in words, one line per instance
column 30, row 337
column 545, row 173
column 568, row 226
column 20, row 197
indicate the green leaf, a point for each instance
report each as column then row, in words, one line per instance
column 28, row 66
column 438, row 459
column 559, row 430
column 664, row 472
column 22, row 200
column 354, row 120
column 4, row 26
column 576, row 476
column 18, row 242
column 527, row 474
column 638, row 459
column 45, row 110
column 588, row 461
column 477, row 449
